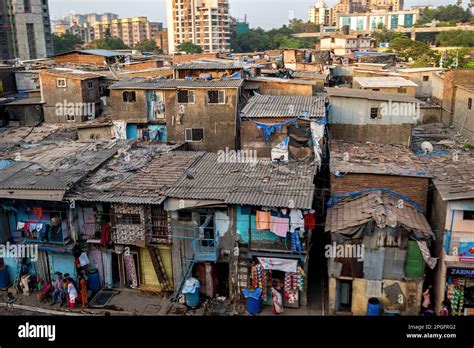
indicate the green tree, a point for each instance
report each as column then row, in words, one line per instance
column 109, row 43
column 66, row 42
column 410, row 50
column 148, row 46
column 189, row 47
column 455, row 38
column 450, row 15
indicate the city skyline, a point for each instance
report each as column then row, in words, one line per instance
column 257, row 14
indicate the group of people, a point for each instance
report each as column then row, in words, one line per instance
column 65, row 290
column 427, row 308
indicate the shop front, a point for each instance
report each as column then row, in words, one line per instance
column 460, row 290
column 282, row 281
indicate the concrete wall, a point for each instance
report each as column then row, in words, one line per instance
column 101, row 133
column 412, row 187
column 360, row 300
column 76, row 91
column 219, row 121
column 425, row 88
column 80, row 58
column 463, row 116
column 147, row 64
column 430, row 114
column 133, row 112
column 383, row 134
column 288, row 88
column 349, row 119
column 437, row 87
column 410, row 90
column 451, row 79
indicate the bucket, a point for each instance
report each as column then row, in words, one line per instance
column 4, row 279
column 373, row 307
column 254, row 298
column 93, row 280
column 192, row 298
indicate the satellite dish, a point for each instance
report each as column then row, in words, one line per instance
column 427, row 147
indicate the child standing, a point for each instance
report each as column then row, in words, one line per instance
column 10, row 301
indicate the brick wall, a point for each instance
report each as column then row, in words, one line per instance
column 413, row 187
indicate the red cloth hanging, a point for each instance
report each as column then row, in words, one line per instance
column 39, row 212
column 104, row 235
column 309, row 221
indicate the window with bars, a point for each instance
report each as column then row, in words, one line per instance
column 194, row 134
column 61, row 83
column 216, row 97
column 185, row 97
column 128, row 219
column 160, row 229
column 129, row 97
column 374, row 113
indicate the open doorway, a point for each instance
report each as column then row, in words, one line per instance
column 222, row 271
column 343, row 295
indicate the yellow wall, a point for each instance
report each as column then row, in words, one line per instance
column 359, row 300
column 148, row 274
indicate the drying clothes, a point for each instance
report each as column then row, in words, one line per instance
column 295, row 242
column 263, row 220
column 430, row 261
column 296, row 219
column 39, row 212
column 222, row 222
column 104, row 235
column 20, row 226
column 83, row 260
column 280, row 226
column 204, row 225
column 309, row 221
column 131, row 270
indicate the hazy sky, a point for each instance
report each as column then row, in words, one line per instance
column 260, row 13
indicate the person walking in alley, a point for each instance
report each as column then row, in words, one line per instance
column 58, row 289
column 72, row 293
column 426, row 300
column 83, row 288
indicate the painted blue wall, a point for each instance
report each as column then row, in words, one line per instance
column 132, row 131
column 61, row 262
column 243, row 224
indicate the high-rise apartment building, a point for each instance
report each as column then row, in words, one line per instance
column 25, row 29
column 130, row 30
column 387, row 5
column 205, row 23
column 320, row 14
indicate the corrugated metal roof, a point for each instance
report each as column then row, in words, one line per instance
column 200, row 65
column 370, row 158
column 284, row 106
column 387, row 81
column 144, row 83
column 104, row 53
column 308, row 74
column 261, row 184
column 70, row 73
column 47, row 170
column 371, row 95
column 144, row 179
column 378, row 207
column 281, row 80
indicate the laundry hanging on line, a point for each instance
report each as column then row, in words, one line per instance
column 268, row 129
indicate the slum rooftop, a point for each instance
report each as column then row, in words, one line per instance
column 147, row 83
column 281, row 80
column 387, row 81
column 284, row 106
column 378, row 207
column 370, row 95
column 47, row 170
column 209, row 65
column 71, row 73
column 371, row 158
column 259, row 184
column 451, row 163
column 96, row 52
column 140, row 175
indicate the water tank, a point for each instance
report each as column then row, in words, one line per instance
column 373, row 307
column 94, row 280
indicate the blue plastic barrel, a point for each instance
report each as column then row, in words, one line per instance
column 4, row 279
column 93, row 280
column 192, row 298
column 254, row 299
column 373, row 307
